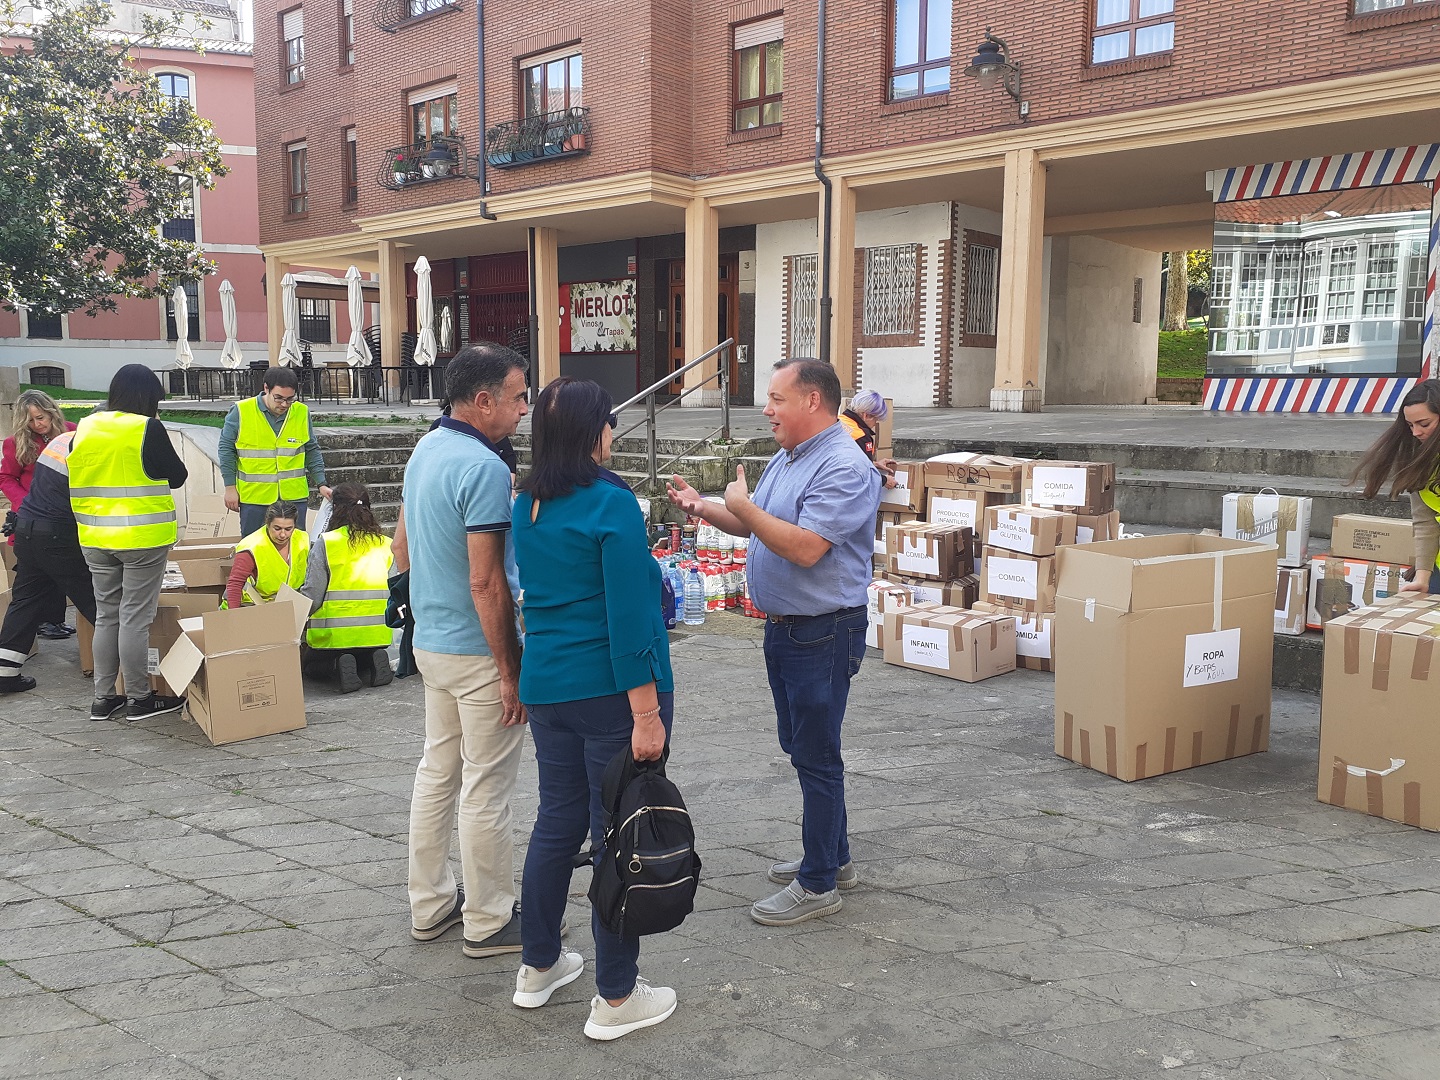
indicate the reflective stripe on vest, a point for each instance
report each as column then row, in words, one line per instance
column 271, row 569
column 270, row 465
column 1431, row 499
column 56, row 453
column 117, row 506
column 352, row 615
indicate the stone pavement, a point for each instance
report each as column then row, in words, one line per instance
column 174, row 910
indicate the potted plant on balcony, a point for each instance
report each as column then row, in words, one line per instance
column 400, row 166
column 574, row 130
column 501, row 142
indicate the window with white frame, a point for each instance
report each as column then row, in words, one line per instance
column 1382, row 279
column 1366, row 7
column 891, row 290
column 552, row 83
column 802, row 273
column 182, row 225
column 1416, row 268
column 416, row 8
column 759, row 72
column 1285, row 286
column 192, row 315
column 43, row 324
column 1310, row 284
column 434, row 112
column 347, row 32
column 292, row 45
column 174, row 87
column 1340, row 284
column 1125, row 29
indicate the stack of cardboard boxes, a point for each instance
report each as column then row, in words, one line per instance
column 1367, row 557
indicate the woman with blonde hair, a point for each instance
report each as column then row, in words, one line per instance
column 38, row 420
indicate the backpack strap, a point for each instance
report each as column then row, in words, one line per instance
column 623, row 769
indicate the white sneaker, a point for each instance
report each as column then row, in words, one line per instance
column 533, row 987
column 645, row 1007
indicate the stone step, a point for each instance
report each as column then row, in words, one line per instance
column 368, row 455
column 1192, row 499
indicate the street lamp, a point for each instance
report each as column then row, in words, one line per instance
column 992, row 64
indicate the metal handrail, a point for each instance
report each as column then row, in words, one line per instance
column 651, row 412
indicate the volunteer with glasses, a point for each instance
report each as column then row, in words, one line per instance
column 268, row 452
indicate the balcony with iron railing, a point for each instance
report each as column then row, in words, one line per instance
column 542, row 137
column 442, row 157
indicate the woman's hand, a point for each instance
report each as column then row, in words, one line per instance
column 1421, row 584
column 647, row 739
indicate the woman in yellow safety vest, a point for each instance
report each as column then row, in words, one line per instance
column 1407, row 457
column 274, row 555
column 347, row 580
column 122, row 467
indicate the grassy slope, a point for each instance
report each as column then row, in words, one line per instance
column 1182, row 354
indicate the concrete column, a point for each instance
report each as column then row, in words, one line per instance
column 547, row 308
column 1022, row 243
column 702, row 298
column 842, row 283
column 275, row 272
column 392, row 301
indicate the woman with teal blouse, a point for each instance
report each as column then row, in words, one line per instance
column 594, row 678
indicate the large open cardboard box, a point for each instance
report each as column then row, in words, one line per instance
column 1163, row 652
column 240, row 669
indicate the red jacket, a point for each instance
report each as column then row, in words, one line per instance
column 14, row 480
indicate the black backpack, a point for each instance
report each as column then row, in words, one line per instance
column 647, row 874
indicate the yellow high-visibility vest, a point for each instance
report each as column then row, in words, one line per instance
column 1431, row 499
column 352, row 615
column 270, row 465
column 271, row 570
column 117, row 506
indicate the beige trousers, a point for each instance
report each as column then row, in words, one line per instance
column 470, row 763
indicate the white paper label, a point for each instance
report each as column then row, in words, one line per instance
column 1084, row 534
column 1051, row 486
column 953, row 512
column 1033, row 638
column 917, row 555
column 152, row 662
column 927, row 594
column 1212, row 658
column 1012, row 531
column 928, row 646
column 902, row 478
column 1012, row 577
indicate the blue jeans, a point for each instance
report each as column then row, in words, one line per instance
column 574, row 741
column 810, row 662
column 1435, row 582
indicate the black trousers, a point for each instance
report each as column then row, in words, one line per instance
column 55, row 613
column 48, row 563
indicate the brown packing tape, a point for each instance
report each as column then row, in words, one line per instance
column 1339, row 776
column 1169, row 749
column 1070, row 736
column 1258, row 734
column 1289, row 515
column 1412, row 803
column 1380, row 672
column 994, row 635
column 1245, row 513
column 1367, row 594
column 1110, row 740
column 1352, row 650
column 1140, row 772
column 1085, row 747
column 1282, row 593
column 1233, row 738
column 1197, row 748
column 1374, row 794
column 1420, row 668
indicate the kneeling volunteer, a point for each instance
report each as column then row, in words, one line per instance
column 347, row 580
column 274, row 555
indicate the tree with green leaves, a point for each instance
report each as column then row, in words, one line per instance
column 93, row 158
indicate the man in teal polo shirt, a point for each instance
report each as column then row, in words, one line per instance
column 454, row 531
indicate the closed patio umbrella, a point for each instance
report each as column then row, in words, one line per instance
column 183, row 356
column 424, row 313
column 230, row 355
column 357, row 352
column 447, row 330
column 290, row 313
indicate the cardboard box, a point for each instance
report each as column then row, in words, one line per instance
column 960, row 593
column 884, row 597
column 1164, row 652
column 1034, row 636
column 1282, row 521
column 886, row 518
column 909, row 490
column 885, row 433
column 974, row 472
column 1034, row 530
column 938, row 552
column 1018, row 582
column 947, row 641
column 957, row 506
column 1081, row 487
column 1375, row 539
column 240, row 669
column 164, row 632
column 1379, row 742
column 1292, row 598
column 1090, row 528
column 1339, row 586
column 204, row 562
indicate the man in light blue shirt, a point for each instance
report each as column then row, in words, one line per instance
column 454, row 538
column 811, row 522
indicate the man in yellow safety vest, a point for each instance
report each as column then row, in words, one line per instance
column 268, row 452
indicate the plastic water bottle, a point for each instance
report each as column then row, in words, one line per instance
column 677, row 583
column 694, row 599
column 667, row 600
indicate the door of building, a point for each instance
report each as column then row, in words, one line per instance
column 497, row 304
column 727, row 312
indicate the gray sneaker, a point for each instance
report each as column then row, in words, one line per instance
column 782, row 873
column 645, row 1007
column 533, row 987
column 794, row 904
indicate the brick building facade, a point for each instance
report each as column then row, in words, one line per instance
column 667, row 155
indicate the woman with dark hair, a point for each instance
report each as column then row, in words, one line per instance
column 1407, row 457
column 595, row 680
column 273, row 555
column 38, row 420
column 347, row 580
column 122, row 468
